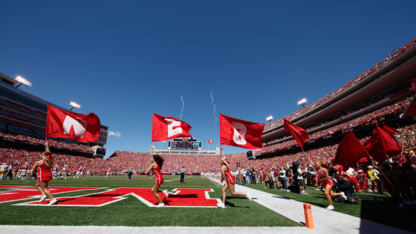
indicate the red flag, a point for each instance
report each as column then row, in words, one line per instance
column 240, row 133
column 165, row 128
column 209, row 141
column 298, row 133
column 350, row 151
column 390, row 145
column 391, row 131
column 381, row 144
column 66, row 124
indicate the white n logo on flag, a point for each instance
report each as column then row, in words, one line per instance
column 240, row 131
column 174, row 127
column 79, row 126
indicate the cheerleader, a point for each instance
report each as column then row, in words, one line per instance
column 230, row 181
column 327, row 183
column 157, row 163
column 43, row 168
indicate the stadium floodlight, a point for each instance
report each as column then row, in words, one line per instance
column 270, row 119
column 302, row 102
column 73, row 104
column 23, row 81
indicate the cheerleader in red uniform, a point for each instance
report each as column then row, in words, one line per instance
column 157, row 163
column 230, row 180
column 43, row 168
column 327, row 183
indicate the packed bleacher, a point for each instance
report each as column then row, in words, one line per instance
column 52, row 143
column 349, row 84
column 270, row 147
column 123, row 160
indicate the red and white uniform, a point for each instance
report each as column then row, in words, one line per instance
column 44, row 172
column 24, row 170
column 79, row 171
column 158, row 175
column 339, row 170
column 230, row 178
column 108, row 171
column 55, row 171
column 321, row 175
column 354, row 181
column 64, row 171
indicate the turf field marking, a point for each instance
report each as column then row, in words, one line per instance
column 25, row 193
column 181, row 197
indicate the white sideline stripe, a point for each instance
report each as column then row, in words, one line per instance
column 325, row 221
column 154, row 230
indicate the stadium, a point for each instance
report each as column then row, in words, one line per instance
column 101, row 191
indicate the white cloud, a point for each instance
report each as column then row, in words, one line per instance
column 111, row 133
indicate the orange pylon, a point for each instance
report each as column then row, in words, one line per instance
column 308, row 215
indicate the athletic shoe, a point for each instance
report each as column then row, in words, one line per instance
column 305, row 193
column 343, row 195
column 54, row 201
column 42, row 198
column 317, row 189
column 166, row 193
column 221, row 205
column 161, row 205
column 330, row 208
column 370, row 191
column 248, row 196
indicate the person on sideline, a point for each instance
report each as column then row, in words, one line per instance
column 155, row 167
column 43, row 168
column 230, row 181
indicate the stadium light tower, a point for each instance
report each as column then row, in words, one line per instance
column 23, row 81
column 73, row 104
column 270, row 119
column 302, row 102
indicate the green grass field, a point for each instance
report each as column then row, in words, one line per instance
column 132, row 212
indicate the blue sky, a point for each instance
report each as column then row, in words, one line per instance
column 124, row 60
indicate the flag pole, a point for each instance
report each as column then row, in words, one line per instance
column 313, row 166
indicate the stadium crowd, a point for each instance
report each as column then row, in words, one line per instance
column 123, row 160
column 272, row 147
column 52, row 143
column 352, row 82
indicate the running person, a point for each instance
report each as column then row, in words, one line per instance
column 55, row 171
column 230, row 181
column 108, row 172
column 79, row 172
column 43, row 168
column 24, row 170
column 64, row 168
column 157, row 163
column 327, row 183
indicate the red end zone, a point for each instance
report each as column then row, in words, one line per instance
column 179, row 198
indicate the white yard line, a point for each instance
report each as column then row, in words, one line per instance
column 325, row 221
